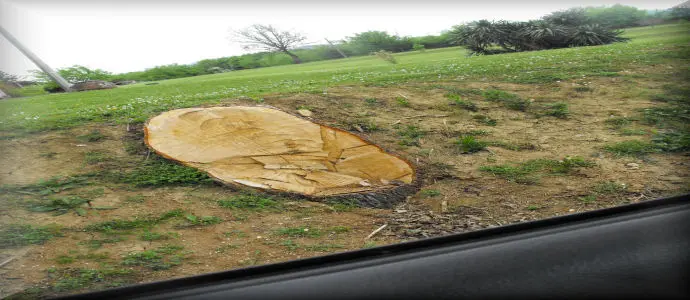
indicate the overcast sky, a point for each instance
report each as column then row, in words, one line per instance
column 131, row 35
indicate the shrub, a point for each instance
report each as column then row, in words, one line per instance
column 594, row 34
column 558, row 30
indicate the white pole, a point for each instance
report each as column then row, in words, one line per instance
column 336, row 48
column 43, row 66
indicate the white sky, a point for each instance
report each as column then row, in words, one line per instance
column 131, row 35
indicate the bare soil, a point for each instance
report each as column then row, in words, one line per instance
column 468, row 198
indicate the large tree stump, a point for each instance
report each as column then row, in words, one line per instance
column 265, row 148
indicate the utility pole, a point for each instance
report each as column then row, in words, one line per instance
column 336, row 48
column 43, row 66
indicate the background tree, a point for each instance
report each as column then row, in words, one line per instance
column 575, row 16
column 680, row 13
column 7, row 77
column 73, row 74
column 485, row 37
column 270, row 39
column 373, row 41
column 477, row 36
column 616, row 16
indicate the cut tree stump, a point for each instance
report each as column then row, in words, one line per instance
column 268, row 149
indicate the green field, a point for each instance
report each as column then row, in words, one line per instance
column 649, row 46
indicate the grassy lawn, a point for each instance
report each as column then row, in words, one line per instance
column 497, row 140
column 650, row 46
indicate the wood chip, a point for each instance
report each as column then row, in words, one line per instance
column 305, row 112
column 422, row 116
column 7, row 261
column 376, row 231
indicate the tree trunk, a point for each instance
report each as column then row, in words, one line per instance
column 295, row 58
column 265, row 148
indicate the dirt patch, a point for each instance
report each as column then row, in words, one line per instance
column 456, row 196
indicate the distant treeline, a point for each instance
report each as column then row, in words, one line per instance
column 365, row 43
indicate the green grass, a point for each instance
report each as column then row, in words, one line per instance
column 509, row 100
column 476, row 132
column 372, row 101
column 64, row 259
column 498, row 95
column 342, row 205
column 161, row 258
column 609, row 187
column 299, row 232
column 470, row 144
column 339, row 229
column 528, row 172
column 672, row 141
column 582, row 89
column 50, row 186
column 252, row 202
column 159, row 172
column 145, row 222
column 482, row 119
column 428, row 193
column 98, row 243
column 192, row 220
column 512, row 146
column 290, row 245
column 558, row 110
column 136, row 199
column 155, row 236
column 629, row 132
column 323, row 247
column 618, row 122
column 402, row 101
column 17, row 235
column 28, row 91
column 631, row 148
column 588, row 198
column 136, row 103
column 410, row 135
column 95, row 157
column 76, row 279
column 60, row 205
column 93, row 136
column 68, row 259
column 458, row 101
